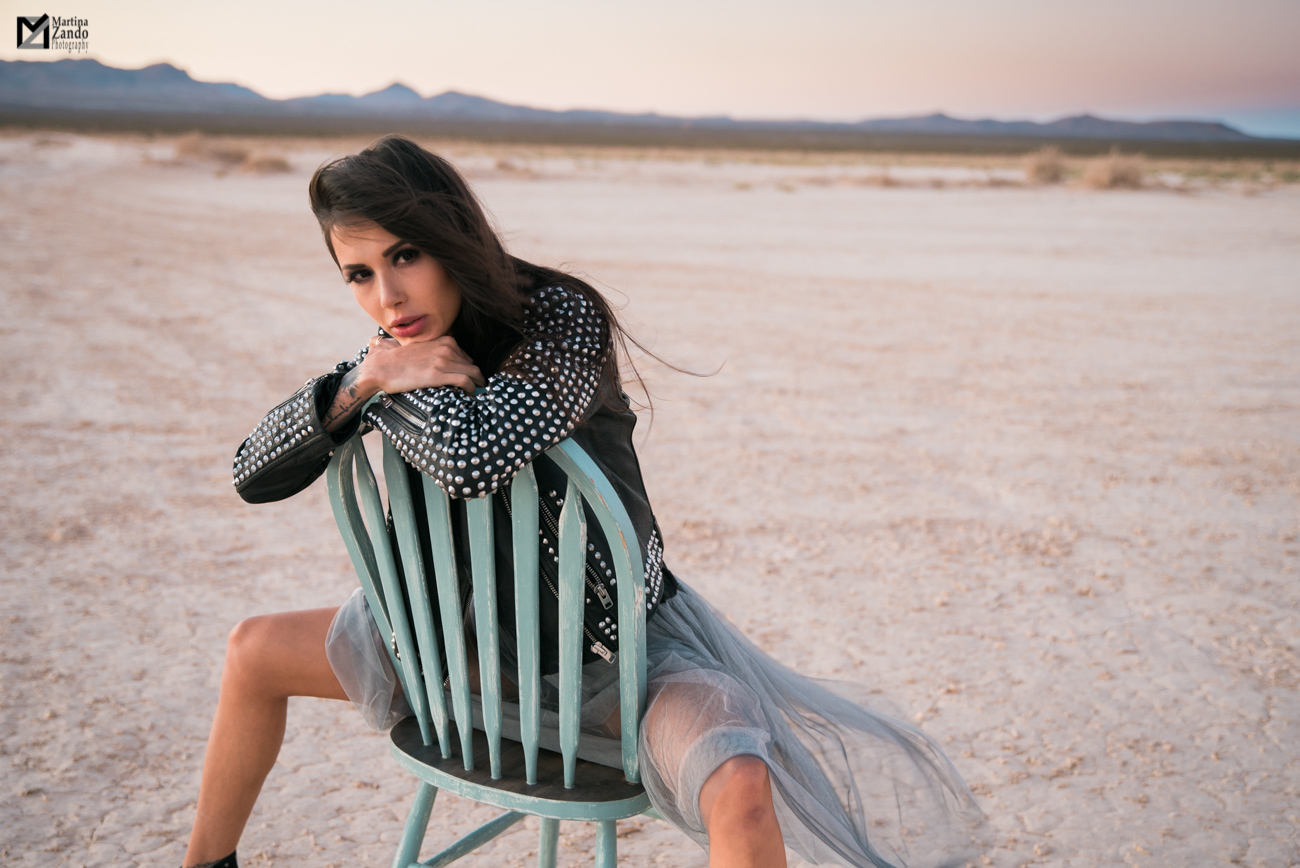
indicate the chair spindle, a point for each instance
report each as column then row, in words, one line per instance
column 430, row 702
column 573, row 561
column 483, row 566
column 400, row 628
column 438, row 510
column 524, row 515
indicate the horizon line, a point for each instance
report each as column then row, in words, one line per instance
column 1037, row 118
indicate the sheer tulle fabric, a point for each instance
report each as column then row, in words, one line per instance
column 357, row 655
column 851, row 786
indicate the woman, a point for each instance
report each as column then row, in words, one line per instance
column 486, row 361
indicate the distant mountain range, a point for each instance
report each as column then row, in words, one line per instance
column 90, row 86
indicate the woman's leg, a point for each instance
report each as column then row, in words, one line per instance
column 268, row 659
column 735, row 802
column 736, row 806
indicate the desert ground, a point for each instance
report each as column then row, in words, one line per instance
column 1025, row 460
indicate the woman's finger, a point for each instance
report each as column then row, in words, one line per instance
column 475, row 374
column 447, row 345
column 467, row 369
column 463, row 366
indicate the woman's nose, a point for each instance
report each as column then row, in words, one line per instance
column 390, row 291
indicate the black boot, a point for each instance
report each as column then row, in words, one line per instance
column 228, row 862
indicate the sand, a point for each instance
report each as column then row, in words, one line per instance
column 1024, row 460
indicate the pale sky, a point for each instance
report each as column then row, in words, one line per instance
column 818, row 59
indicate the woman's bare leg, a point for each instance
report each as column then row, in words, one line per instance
column 736, row 800
column 268, row 659
column 736, row 806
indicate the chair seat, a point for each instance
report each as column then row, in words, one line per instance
column 601, row 793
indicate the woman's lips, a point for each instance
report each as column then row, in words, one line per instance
column 408, row 327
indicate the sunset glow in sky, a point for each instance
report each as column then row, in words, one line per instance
column 821, row 59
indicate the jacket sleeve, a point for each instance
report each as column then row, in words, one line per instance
column 290, row 448
column 473, row 444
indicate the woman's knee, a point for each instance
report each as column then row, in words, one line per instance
column 248, row 649
column 738, row 793
column 747, row 777
column 281, row 655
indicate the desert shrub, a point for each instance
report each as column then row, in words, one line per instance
column 265, row 164
column 884, row 179
column 191, row 145
column 197, row 146
column 1115, row 171
column 1045, row 166
column 231, row 156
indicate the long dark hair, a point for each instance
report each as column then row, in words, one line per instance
column 420, row 198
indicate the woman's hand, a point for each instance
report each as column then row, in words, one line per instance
column 393, row 367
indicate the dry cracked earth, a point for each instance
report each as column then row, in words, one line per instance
column 1026, row 462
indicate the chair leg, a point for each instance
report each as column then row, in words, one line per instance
column 548, row 839
column 607, row 844
column 416, row 823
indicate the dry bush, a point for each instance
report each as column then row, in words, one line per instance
column 1045, row 166
column 197, row 146
column 522, row 171
column 227, row 154
column 191, row 145
column 884, row 179
column 265, row 164
column 1115, row 171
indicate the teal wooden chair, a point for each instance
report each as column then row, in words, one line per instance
column 454, row 742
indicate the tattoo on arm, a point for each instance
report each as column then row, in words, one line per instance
column 347, row 400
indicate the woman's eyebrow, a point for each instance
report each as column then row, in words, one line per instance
column 385, row 255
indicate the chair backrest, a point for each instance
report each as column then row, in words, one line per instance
column 359, row 512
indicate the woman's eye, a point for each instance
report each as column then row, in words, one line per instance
column 405, row 255
column 354, row 276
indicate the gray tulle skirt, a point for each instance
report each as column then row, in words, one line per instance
column 851, row 786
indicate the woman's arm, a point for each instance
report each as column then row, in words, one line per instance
column 292, row 446
column 471, row 443
column 348, row 400
column 390, row 367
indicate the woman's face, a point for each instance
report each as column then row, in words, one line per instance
column 406, row 292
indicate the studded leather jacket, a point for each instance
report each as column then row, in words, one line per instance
column 548, row 389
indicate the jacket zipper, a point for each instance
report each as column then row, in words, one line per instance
column 403, row 411
column 597, row 646
column 593, row 580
